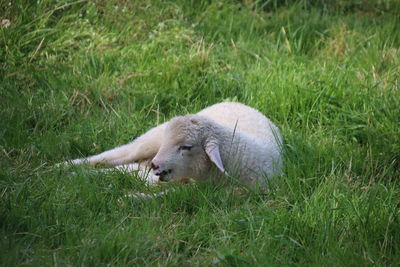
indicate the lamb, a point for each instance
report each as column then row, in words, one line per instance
column 228, row 139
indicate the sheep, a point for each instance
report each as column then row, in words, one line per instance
column 227, row 139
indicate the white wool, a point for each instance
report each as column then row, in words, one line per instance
column 224, row 139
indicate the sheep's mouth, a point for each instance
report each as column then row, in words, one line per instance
column 163, row 175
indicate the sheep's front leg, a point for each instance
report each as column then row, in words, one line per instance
column 142, row 171
column 144, row 148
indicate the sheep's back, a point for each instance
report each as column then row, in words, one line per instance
column 249, row 120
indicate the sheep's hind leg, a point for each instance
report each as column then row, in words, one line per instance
column 144, row 148
column 116, row 156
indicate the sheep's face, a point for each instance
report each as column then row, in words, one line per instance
column 181, row 154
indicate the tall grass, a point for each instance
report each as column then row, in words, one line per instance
column 80, row 77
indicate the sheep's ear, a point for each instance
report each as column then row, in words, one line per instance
column 213, row 153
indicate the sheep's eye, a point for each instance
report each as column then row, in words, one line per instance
column 188, row 148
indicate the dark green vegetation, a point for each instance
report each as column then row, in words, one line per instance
column 79, row 77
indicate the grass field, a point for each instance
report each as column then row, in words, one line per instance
column 80, row 77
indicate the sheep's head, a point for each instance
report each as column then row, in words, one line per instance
column 188, row 145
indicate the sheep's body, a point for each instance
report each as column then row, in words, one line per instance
column 238, row 139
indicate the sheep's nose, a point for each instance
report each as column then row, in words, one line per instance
column 154, row 167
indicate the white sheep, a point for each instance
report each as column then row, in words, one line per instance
column 224, row 140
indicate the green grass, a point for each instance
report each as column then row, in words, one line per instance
column 81, row 77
